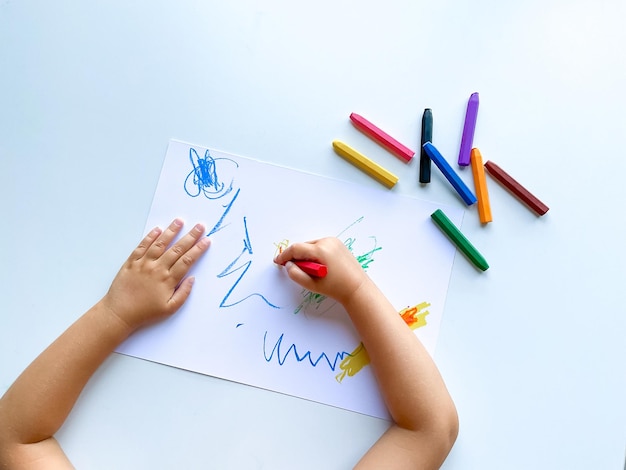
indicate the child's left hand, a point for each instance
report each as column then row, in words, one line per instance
column 151, row 284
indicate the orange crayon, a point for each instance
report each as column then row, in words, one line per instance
column 480, row 184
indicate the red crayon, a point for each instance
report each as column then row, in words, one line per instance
column 312, row 268
column 382, row 137
column 517, row 189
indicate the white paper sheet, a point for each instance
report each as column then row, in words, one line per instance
column 246, row 321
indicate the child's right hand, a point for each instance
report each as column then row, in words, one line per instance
column 345, row 274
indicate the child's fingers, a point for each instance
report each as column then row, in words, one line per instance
column 182, row 246
column 297, row 275
column 144, row 244
column 180, row 295
column 182, row 265
column 298, row 251
column 163, row 241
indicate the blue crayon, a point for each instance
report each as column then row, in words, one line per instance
column 454, row 179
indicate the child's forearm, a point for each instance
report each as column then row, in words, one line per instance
column 36, row 405
column 151, row 285
column 410, row 383
column 415, row 394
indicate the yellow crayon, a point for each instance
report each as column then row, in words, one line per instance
column 480, row 183
column 365, row 164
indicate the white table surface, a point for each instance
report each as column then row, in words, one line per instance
column 532, row 350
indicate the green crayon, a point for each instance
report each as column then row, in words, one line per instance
column 459, row 239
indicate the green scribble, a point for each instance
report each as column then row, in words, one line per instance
column 357, row 221
column 366, row 258
column 310, row 299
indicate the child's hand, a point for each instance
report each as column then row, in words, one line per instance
column 151, row 285
column 345, row 274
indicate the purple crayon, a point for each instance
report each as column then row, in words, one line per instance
column 467, row 140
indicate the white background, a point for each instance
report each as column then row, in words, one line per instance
column 532, row 350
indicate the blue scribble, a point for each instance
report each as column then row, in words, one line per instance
column 228, row 207
column 281, row 358
column 230, row 269
column 203, row 178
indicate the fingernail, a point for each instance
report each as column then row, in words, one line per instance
column 178, row 222
column 204, row 242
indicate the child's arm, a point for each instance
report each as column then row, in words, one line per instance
column 151, row 285
column 416, row 396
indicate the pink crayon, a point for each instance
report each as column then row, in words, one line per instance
column 382, row 137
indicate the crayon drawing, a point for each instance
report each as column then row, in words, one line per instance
column 281, row 356
column 414, row 317
column 203, row 178
column 352, row 364
column 245, row 320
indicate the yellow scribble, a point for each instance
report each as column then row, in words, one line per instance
column 359, row 358
column 280, row 246
column 353, row 363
